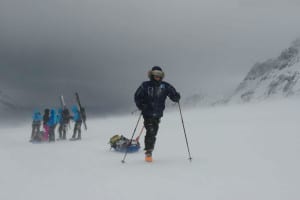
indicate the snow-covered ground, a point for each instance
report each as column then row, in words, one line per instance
column 240, row 152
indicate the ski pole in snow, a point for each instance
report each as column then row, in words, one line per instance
column 186, row 140
column 123, row 161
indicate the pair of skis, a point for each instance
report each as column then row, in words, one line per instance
column 81, row 109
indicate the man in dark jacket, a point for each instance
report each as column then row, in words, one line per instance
column 150, row 98
column 46, row 118
column 64, row 120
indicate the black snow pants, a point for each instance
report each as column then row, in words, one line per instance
column 62, row 131
column 151, row 125
column 77, row 128
column 35, row 130
column 52, row 133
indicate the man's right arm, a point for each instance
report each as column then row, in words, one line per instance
column 139, row 96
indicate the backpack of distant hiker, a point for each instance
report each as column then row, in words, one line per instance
column 123, row 144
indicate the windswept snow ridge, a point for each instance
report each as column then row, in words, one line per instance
column 278, row 77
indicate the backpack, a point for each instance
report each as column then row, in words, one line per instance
column 123, row 144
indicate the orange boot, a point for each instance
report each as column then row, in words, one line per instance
column 148, row 156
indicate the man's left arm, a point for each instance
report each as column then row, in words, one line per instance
column 173, row 94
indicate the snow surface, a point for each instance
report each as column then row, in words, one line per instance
column 240, row 152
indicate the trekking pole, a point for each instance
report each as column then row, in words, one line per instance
column 186, row 140
column 138, row 137
column 123, row 161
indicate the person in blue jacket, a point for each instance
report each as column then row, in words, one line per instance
column 150, row 98
column 36, row 125
column 78, row 122
column 52, row 125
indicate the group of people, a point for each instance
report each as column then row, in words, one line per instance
column 51, row 119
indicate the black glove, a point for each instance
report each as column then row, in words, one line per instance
column 177, row 97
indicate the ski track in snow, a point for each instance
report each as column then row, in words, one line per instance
column 240, row 152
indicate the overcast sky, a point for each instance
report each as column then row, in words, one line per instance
column 104, row 48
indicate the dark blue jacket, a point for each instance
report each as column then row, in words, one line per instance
column 151, row 96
